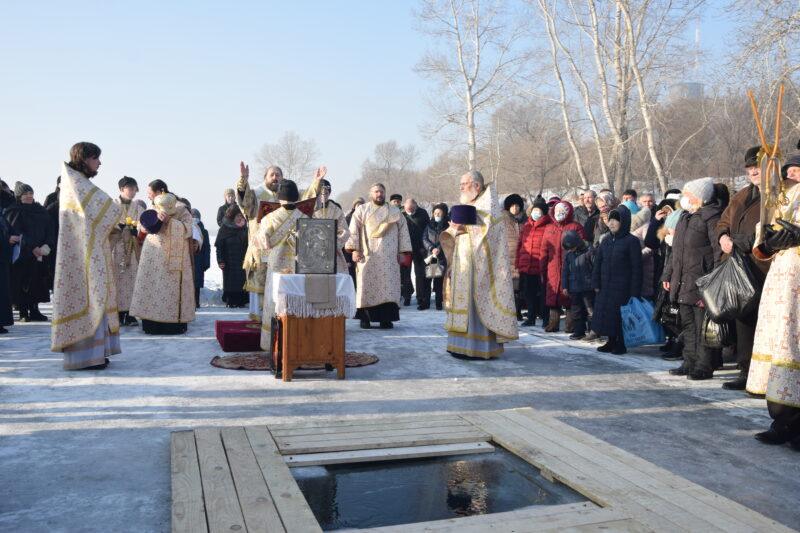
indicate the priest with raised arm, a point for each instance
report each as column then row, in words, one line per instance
column 248, row 200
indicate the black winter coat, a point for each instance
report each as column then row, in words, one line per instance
column 30, row 278
column 231, row 245
column 576, row 274
column 417, row 223
column 431, row 239
column 202, row 260
column 617, row 273
column 221, row 213
column 695, row 251
column 6, row 315
column 588, row 220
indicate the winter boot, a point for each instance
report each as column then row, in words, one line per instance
column 553, row 321
column 35, row 315
column 569, row 326
column 619, row 347
column 609, row 345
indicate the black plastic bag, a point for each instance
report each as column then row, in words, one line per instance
column 729, row 291
column 715, row 335
column 667, row 313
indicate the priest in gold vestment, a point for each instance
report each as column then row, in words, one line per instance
column 125, row 247
column 85, row 324
column 163, row 296
column 379, row 241
column 276, row 236
column 775, row 366
column 248, row 199
column 479, row 292
column 330, row 210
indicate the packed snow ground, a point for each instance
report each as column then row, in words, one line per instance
column 89, row 450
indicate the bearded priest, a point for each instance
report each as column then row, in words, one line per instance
column 380, row 242
column 479, row 292
column 248, row 200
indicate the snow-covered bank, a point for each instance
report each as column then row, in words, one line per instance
column 89, row 451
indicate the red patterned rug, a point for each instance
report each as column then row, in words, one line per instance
column 263, row 362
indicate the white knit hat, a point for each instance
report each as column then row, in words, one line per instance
column 702, row 188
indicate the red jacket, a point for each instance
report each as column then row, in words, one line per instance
column 553, row 256
column 529, row 251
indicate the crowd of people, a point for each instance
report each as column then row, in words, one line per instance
column 492, row 266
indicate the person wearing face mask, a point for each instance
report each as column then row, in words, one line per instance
column 125, row 247
column 659, row 236
column 438, row 223
column 695, row 252
column 616, row 278
column 553, row 261
column 514, row 213
column 230, row 245
column 529, row 262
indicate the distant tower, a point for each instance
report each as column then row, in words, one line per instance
column 692, row 90
column 697, row 50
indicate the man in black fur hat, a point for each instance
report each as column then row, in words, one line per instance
column 736, row 230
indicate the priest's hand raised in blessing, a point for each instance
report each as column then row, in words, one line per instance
column 244, row 174
column 321, row 171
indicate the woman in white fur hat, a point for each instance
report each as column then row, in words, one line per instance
column 695, row 251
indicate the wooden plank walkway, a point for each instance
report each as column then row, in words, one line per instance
column 237, row 479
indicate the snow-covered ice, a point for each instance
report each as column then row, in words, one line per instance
column 89, row 451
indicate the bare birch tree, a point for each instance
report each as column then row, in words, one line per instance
column 769, row 57
column 296, row 157
column 612, row 48
column 476, row 64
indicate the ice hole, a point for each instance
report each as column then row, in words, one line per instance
column 375, row 494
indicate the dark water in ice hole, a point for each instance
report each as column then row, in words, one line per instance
column 361, row 495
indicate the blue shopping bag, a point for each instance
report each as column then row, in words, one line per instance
column 638, row 326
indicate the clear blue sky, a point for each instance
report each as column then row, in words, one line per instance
column 183, row 91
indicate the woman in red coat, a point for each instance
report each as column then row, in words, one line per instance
column 528, row 261
column 553, row 259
